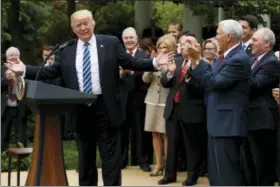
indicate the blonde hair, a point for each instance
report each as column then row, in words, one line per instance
column 170, row 42
column 212, row 41
column 81, row 14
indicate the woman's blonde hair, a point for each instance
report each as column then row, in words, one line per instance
column 212, row 41
column 170, row 42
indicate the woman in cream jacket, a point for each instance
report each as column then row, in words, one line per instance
column 155, row 102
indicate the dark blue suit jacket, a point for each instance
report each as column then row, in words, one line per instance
column 263, row 107
column 228, row 85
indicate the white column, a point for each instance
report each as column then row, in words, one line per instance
column 143, row 15
column 221, row 14
column 267, row 20
column 192, row 23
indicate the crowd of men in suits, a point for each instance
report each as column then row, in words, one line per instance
column 224, row 122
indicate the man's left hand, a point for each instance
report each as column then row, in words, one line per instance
column 164, row 58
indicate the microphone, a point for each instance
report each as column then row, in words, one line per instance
column 56, row 49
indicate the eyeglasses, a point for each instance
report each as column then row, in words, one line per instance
column 209, row 49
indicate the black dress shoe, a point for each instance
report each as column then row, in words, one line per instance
column 166, row 181
column 189, row 183
column 191, row 180
column 145, row 167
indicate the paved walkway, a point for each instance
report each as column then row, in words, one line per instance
column 132, row 176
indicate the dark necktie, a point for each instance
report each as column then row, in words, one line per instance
column 255, row 63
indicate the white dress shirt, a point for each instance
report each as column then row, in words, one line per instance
column 95, row 79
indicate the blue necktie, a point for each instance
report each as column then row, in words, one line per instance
column 87, row 70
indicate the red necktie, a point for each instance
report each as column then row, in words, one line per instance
column 182, row 74
column 11, row 86
column 222, row 58
column 255, row 63
column 130, row 52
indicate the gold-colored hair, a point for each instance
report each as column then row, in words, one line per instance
column 170, row 42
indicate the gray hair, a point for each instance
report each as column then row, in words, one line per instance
column 268, row 36
column 232, row 27
column 12, row 50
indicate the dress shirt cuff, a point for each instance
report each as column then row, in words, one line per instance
column 169, row 75
column 196, row 64
column 187, row 79
column 24, row 71
column 155, row 63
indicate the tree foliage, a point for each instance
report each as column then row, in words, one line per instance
column 167, row 11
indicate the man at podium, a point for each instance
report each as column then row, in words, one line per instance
column 91, row 65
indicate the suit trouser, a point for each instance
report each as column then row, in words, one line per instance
column 125, row 134
column 194, row 142
column 11, row 118
column 224, row 167
column 262, row 146
column 141, row 140
column 95, row 129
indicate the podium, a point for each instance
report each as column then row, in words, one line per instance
column 48, row 102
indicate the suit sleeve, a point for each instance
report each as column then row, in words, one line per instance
column 47, row 72
column 167, row 82
column 267, row 77
column 232, row 72
column 126, row 61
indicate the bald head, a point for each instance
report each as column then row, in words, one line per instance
column 130, row 38
column 130, row 31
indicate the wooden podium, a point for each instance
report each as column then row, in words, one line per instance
column 48, row 102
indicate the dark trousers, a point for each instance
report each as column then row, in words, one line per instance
column 141, row 141
column 11, row 119
column 95, row 129
column 224, row 167
column 126, row 136
column 194, row 140
column 262, row 145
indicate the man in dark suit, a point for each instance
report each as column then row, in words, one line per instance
column 91, row 65
column 184, row 112
column 227, row 84
column 141, row 146
column 249, row 25
column 263, row 109
column 12, row 111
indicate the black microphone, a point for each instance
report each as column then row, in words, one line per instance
column 56, row 49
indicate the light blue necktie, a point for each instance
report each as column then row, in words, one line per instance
column 244, row 47
column 87, row 70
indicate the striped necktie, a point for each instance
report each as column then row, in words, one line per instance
column 87, row 70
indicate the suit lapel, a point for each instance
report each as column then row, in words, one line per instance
column 101, row 52
column 254, row 70
column 72, row 63
column 229, row 55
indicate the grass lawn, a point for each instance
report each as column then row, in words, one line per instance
column 71, row 155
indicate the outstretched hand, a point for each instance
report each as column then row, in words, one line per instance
column 164, row 58
column 16, row 68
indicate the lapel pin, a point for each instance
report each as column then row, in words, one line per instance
column 101, row 46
